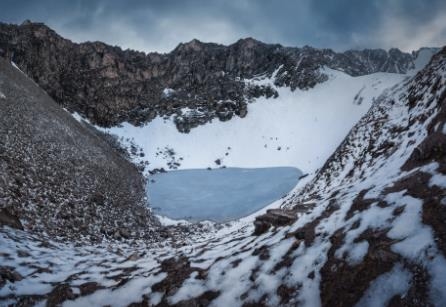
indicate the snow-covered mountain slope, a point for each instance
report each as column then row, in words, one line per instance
column 421, row 58
column 367, row 230
column 299, row 128
column 380, row 199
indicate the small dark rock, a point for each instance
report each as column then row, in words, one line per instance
column 125, row 233
column 8, row 274
column 89, row 288
column 7, row 218
column 59, row 294
column 273, row 217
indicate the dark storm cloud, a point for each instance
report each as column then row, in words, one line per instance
column 161, row 25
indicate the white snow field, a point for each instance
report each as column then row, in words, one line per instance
column 299, row 129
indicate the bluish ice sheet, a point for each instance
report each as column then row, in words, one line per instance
column 220, row 194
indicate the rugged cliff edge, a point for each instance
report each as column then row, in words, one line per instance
column 60, row 176
column 109, row 85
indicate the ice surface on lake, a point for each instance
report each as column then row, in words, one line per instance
column 218, row 194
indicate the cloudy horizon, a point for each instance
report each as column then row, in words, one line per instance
column 160, row 26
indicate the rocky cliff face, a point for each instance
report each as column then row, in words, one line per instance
column 59, row 176
column 109, row 85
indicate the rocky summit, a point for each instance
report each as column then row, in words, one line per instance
column 364, row 226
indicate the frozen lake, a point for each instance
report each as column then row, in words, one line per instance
column 219, row 194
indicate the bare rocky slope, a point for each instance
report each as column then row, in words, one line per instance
column 109, row 85
column 60, row 176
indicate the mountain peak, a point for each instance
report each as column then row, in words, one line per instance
column 249, row 42
column 193, row 45
column 28, row 22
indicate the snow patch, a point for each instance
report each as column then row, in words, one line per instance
column 122, row 296
column 423, row 56
column 386, row 286
column 16, row 67
column 78, row 117
column 439, row 180
column 167, row 92
column 165, row 221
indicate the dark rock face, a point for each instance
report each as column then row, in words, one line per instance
column 59, row 176
column 8, row 274
column 9, row 219
column 109, row 85
column 60, row 294
column 273, row 217
column 89, row 287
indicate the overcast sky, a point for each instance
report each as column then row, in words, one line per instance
column 161, row 25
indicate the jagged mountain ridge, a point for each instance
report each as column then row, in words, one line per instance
column 109, row 86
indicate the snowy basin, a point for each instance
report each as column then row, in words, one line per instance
column 220, row 194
